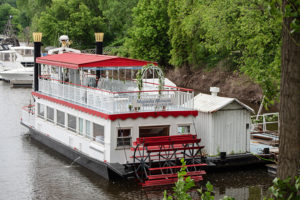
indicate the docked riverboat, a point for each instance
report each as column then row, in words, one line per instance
column 115, row 116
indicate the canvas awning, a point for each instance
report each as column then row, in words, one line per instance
column 80, row 60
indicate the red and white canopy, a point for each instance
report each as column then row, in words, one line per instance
column 79, row 60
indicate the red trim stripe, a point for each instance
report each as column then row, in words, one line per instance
column 123, row 116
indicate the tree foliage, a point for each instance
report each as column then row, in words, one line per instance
column 117, row 17
column 68, row 17
column 147, row 36
column 178, row 12
column 240, row 31
column 6, row 10
column 10, row 2
column 243, row 35
column 182, row 186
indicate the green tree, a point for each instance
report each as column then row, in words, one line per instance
column 31, row 8
column 242, row 32
column 68, row 17
column 6, row 10
column 178, row 12
column 247, row 33
column 10, row 2
column 147, row 37
column 117, row 16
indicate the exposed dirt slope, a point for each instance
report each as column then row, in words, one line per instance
column 230, row 84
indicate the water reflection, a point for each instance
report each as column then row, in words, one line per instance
column 29, row 170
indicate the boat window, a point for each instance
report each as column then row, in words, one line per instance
column 19, row 51
column 98, row 133
column 60, row 118
column 124, row 137
column 72, row 123
column 184, row 129
column 6, row 57
column 88, row 128
column 80, row 126
column 28, row 52
column 154, row 131
column 28, row 64
column 50, row 114
column 41, row 110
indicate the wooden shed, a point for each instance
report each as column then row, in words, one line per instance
column 223, row 124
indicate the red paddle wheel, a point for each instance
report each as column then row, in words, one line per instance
column 156, row 160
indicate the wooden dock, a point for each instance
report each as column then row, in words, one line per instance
column 21, row 83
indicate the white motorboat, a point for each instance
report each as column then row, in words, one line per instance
column 18, row 60
column 17, row 63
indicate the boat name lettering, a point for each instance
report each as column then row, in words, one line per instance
column 154, row 102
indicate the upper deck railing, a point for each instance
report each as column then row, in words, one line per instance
column 117, row 97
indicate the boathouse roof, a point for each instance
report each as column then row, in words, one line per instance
column 209, row 103
column 79, row 60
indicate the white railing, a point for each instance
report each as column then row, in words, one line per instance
column 263, row 120
column 118, row 102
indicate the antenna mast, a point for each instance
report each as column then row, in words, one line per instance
column 9, row 33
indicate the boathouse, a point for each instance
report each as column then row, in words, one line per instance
column 223, row 124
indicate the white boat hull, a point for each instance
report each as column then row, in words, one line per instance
column 18, row 74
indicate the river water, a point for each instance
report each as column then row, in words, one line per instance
column 29, row 170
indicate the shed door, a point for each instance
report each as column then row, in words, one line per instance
column 154, row 131
column 230, row 131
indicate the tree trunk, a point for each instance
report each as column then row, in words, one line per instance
column 289, row 147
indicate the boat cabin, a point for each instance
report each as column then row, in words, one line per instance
column 100, row 104
column 24, row 51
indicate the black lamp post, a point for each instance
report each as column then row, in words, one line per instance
column 99, row 49
column 37, row 38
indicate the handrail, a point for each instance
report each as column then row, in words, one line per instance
column 170, row 86
column 180, row 89
column 109, row 102
column 27, row 108
column 45, row 77
column 263, row 121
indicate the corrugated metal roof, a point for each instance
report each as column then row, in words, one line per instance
column 208, row 103
column 77, row 60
